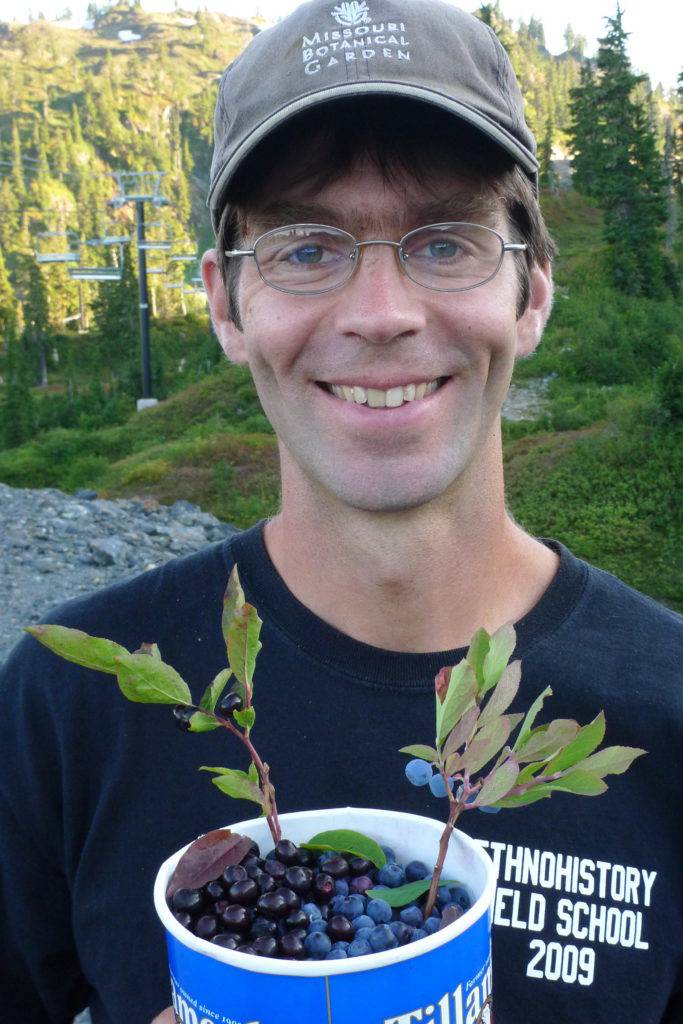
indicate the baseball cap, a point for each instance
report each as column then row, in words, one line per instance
column 424, row 50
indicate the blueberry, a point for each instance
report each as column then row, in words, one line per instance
column 362, row 933
column 297, row 919
column 245, row 892
column 190, row 900
column 363, row 921
column 313, row 911
column 418, row 772
column 388, row 853
column 352, row 906
column 234, row 873
column 460, row 895
column 291, row 946
column 338, row 867
column 418, row 933
column 206, row 927
column 361, row 884
column 317, row 945
column 382, row 938
column 228, row 705
column 359, row 865
column 341, row 887
column 403, row 932
column 299, row 878
column 340, row 945
column 412, row 916
column 416, row 870
column 323, row 886
column 336, row 954
column 438, row 786
column 287, row 852
column 379, row 911
column 391, row 874
column 359, row 947
column 182, row 716
column 317, row 926
column 431, row 925
column 262, row 927
column 340, row 928
column 225, row 940
column 264, row 945
column 327, row 855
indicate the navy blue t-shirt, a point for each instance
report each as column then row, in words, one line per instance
column 95, row 791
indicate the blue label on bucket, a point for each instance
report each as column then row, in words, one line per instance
column 447, row 985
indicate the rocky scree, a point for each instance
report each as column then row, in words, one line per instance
column 55, row 546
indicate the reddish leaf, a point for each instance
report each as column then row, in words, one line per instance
column 207, row 858
column 450, row 915
column 441, row 683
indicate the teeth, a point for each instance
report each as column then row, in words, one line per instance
column 378, row 398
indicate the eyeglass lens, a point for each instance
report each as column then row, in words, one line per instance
column 315, row 258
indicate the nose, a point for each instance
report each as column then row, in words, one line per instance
column 380, row 303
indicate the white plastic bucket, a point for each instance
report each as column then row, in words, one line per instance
column 442, row 979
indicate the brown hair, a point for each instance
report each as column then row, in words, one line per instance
column 401, row 138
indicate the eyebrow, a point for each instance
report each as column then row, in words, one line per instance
column 479, row 208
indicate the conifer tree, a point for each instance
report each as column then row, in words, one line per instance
column 17, row 169
column 116, row 316
column 37, row 327
column 617, row 164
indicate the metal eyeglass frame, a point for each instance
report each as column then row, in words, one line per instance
column 402, row 256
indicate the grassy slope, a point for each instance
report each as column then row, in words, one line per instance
column 608, row 490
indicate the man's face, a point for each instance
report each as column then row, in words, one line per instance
column 380, row 331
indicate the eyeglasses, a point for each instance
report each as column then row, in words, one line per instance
column 310, row 259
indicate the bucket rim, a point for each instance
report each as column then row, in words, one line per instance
column 322, row 968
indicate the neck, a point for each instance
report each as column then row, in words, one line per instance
column 419, row 580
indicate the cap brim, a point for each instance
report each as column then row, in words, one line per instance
column 519, row 153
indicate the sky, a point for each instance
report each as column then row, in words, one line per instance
column 656, row 26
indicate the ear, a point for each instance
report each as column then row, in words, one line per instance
column 231, row 339
column 534, row 318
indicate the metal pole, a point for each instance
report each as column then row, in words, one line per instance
column 144, row 304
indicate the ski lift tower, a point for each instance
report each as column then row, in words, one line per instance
column 142, row 187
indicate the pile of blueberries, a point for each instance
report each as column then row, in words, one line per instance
column 296, row 904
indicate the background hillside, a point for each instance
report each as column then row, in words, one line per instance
column 598, row 465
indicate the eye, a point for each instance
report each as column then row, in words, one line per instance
column 307, row 254
column 443, row 248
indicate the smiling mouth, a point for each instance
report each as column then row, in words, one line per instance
column 380, row 398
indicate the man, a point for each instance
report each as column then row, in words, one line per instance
column 381, row 262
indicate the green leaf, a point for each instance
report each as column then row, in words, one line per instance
column 348, row 841
column 242, row 628
column 453, row 764
column 478, row 649
column 548, row 740
column 498, row 784
column 587, row 739
column 152, row 650
column 252, row 773
column 527, row 774
column 462, row 688
column 463, row 731
column 522, row 799
column 486, row 744
column 148, row 681
column 419, row 750
column 500, row 648
column 504, row 693
column 212, row 694
column 79, row 647
column 610, row 761
column 235, row 783
column 245, row 718
column 403, row 894
column 531, row 716
column 581, row 783
column 202, row 723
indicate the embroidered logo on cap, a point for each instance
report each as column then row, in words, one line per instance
column 358, row 38
column 351, row 14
